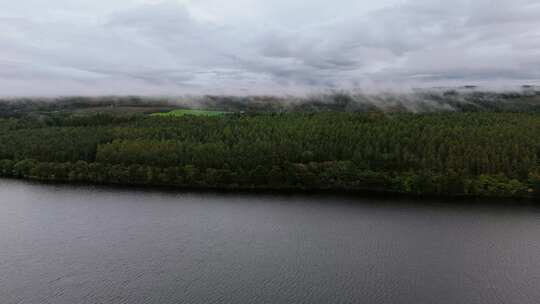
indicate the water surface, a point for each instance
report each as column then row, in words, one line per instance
column 73, row 244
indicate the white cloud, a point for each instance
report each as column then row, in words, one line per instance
column 258, row 46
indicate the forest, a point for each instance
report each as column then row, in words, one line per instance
column 466, row 99
column 486, row 153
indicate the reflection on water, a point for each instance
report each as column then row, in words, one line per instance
column 64, row 244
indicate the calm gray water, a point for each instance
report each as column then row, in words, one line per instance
column 65, row 244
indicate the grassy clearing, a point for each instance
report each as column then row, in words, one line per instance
column 183, row 112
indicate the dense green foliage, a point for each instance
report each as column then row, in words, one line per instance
column 485, row 154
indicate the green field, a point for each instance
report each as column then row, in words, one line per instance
column 183, row 112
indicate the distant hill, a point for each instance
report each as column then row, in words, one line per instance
column 460, row 99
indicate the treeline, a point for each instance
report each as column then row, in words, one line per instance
column 525, row 100
column 478, row 154
column 24, row 107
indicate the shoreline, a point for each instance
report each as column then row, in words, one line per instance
column 268, row 191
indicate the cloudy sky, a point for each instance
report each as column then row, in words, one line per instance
column 170, row 47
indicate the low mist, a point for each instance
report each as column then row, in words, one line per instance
column 460, row 99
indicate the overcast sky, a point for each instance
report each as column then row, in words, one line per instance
column 171, row 47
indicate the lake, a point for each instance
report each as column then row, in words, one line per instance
column 89, row 244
